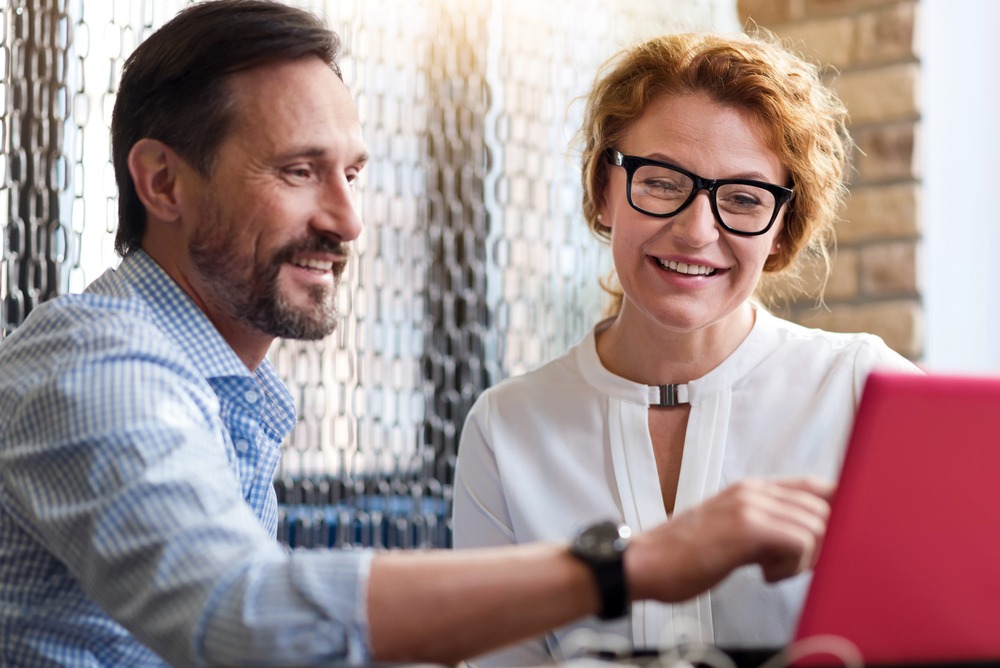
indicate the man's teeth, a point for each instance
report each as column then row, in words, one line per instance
column 684, row 268
column 319, row 265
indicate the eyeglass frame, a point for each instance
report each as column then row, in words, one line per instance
column 631, row 163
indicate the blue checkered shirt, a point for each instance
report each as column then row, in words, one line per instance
column 137, row 512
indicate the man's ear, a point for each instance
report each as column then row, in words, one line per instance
column 154, row 167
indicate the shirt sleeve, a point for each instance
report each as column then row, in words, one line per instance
column 480, row 519
column 116, row 463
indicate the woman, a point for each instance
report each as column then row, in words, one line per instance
column 708, row 162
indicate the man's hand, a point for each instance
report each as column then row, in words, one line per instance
column 776, row 524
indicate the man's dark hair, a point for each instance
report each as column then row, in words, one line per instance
column 174, row 89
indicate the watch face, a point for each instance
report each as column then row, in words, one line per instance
column 602, row 548
column 603, row 541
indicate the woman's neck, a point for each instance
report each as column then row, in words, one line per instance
column 634, row 347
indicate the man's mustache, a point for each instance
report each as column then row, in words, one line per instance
column 314, row 244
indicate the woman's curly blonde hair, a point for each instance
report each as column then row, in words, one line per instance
column 802, row 119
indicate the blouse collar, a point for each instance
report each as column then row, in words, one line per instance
column 746, row 356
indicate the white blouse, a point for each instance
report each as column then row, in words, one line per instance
column 568, row 444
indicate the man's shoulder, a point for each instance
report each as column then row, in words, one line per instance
column 131, row 310
column 78, row 319
column 85, row 362
column 85, row 330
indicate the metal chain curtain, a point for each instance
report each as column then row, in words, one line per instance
column 475, row 263
column 34, row 175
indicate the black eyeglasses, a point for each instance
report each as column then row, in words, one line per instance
column 662, row 190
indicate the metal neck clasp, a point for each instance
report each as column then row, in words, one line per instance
column 666, row 396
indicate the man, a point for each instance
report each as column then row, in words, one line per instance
column 140, row 421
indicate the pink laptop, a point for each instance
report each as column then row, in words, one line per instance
column 910, row 567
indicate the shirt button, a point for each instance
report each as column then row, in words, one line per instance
column 241, row 445
column 252, row 396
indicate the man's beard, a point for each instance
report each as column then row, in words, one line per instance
column 256, row 298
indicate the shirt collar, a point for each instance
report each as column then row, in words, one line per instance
column 746, row 356
column 179, row 317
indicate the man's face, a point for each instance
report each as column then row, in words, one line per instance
column 272, row 221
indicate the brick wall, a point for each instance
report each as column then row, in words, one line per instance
column 871, row 49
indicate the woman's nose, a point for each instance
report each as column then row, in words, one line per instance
column 696, row 224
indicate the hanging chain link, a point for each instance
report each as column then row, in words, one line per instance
column 36, row 173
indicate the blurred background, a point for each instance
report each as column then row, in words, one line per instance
column 475, row 263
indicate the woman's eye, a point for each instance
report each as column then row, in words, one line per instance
column 661, row 187
column 745, row 200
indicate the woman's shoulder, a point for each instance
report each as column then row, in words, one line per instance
column 542, row 380
column 569, row 380
column 788, row 331
column 791, row 338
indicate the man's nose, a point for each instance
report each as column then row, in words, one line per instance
column 338, row 213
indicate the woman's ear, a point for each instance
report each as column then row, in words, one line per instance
column 604, row 217
column 154, row 169
column 778, row 237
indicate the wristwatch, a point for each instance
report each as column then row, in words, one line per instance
column 601, row 547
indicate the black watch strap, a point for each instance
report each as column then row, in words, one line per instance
column 602, row 548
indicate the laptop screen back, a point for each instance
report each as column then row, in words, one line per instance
column 910, row 566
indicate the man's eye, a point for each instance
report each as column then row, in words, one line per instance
column 298, row 172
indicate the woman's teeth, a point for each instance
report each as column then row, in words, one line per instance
column 684, row 268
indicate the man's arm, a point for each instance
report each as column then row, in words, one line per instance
column 448, row 606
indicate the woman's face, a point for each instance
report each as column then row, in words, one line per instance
column 687, row 273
